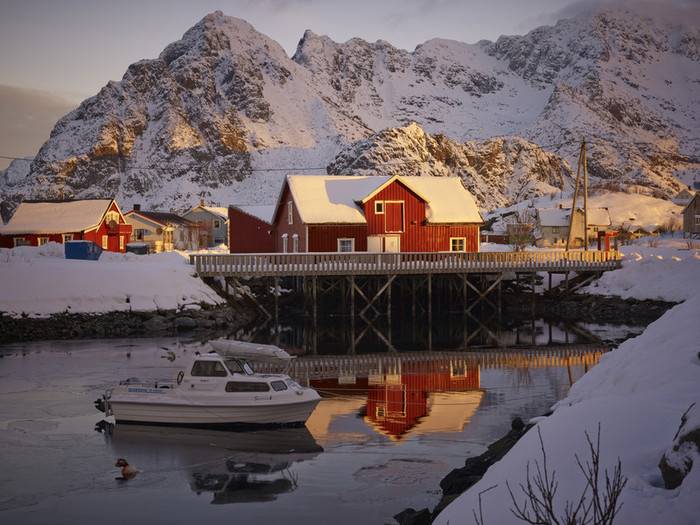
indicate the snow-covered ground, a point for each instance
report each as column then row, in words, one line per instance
column 637, row 394
column 40, row 282
column 668, row 271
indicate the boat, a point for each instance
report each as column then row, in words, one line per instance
column 216, row 389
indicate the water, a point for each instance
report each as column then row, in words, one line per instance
column 380, row 441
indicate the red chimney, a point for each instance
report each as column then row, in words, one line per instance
column 137, row 207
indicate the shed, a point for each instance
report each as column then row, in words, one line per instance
column 212, row 222
column 250, row 229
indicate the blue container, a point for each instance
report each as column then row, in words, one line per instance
column 83, row 250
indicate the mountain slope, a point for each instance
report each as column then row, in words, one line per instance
column 224, row 104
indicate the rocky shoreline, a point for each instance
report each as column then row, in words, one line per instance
column 202, row 319
column 462, row 478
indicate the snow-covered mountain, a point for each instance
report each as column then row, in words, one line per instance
column 225, row 104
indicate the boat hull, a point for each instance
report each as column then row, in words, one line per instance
column 287, row 414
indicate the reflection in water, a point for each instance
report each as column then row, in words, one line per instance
column 234, row 467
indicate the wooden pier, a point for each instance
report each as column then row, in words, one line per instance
column 405, row 263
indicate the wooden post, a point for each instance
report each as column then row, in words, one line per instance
column 413, row 297
column 585, row 197
column 315, row 305
column 352, row 314
column 550, row 281
column 389, row 280
column 276, row 284
column 430, row 312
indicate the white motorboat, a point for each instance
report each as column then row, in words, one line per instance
column 215, row 389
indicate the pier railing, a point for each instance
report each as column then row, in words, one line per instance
column 406, row 263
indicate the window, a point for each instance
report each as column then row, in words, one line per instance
column 285, row 243
column 346, row 245
column 121, row 242
column 295, row 243
column 105, row 242
column 139, row 234
column 40, row 241
column 112, row 216
column 278, row 386
column 217, row 224
column 247, row 386
column 555, row 229
column 238, row 366
column 458, row 244
column 20, row 241
column 67, row 237
column 208, row 369
column 697, row 220
column 290, row 212
column 379, row 207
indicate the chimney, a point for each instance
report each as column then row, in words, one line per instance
column 137, row 207
column 201, row 201
column 561, row 206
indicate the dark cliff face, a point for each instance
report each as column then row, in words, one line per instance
column 225, row 99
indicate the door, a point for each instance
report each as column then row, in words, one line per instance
column 393, row 217
column 374, row 243
column 392, row 243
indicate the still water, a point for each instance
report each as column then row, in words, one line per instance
column 389, row 428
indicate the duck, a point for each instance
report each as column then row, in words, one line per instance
column 128, row 471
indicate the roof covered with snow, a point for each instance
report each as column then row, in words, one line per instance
column 561, row 216
column 162, row 217
column 335, row 198
column 218, row 211
column 263, row 212
column 56, row 216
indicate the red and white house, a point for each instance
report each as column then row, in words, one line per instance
column 35, row 223
column 375, row 214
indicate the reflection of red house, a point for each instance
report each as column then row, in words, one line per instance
column 35, row 223
column 375, row 214
column 407, row 401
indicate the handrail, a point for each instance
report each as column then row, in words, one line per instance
column 367, row 263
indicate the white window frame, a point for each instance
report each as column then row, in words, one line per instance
column 67, row 237
column 697, row 220
column 285, row 243
column 295, row 243
column 19, row 241
column 290, row 212
column 217, row 223
column 377, row 205
column 342, row 239
column 105, row 242
column 40, row 241
column 464, row 244
column 122, row 244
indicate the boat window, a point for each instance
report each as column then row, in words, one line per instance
column 246, row 386
column 208, row 369
column 278, row 386
column 238, row 366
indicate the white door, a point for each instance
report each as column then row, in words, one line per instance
column 392, row 243
column 374, row 243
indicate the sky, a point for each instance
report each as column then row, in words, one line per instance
column 74, row 47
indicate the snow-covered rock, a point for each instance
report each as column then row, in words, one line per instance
column 225, row 102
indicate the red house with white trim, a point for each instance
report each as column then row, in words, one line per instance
column 35, row 223
column 376, row 214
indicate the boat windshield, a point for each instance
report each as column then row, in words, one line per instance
column 239, row 366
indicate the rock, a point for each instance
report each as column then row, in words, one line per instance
column 413, row 517
column 517, row 424
column 458, row 481
column 677, row 462
column 156, row 323
column 185, row 323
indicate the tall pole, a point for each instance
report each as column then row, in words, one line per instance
column 585, row 196
column 569, row 237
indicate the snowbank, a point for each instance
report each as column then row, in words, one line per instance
column 40, row 281
column 638, row 394
column 668, row 272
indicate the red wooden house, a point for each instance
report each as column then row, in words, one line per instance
column 250, row 229
column 390, row 214
column 35, row 223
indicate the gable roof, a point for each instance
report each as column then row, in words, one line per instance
column 218, row 211
column 263, row 212
column 57, row 216
column 560, row 216
column 336, row 199
column 687, row 206
column 162, row 217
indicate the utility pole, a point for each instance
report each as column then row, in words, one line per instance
column 585, row 196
